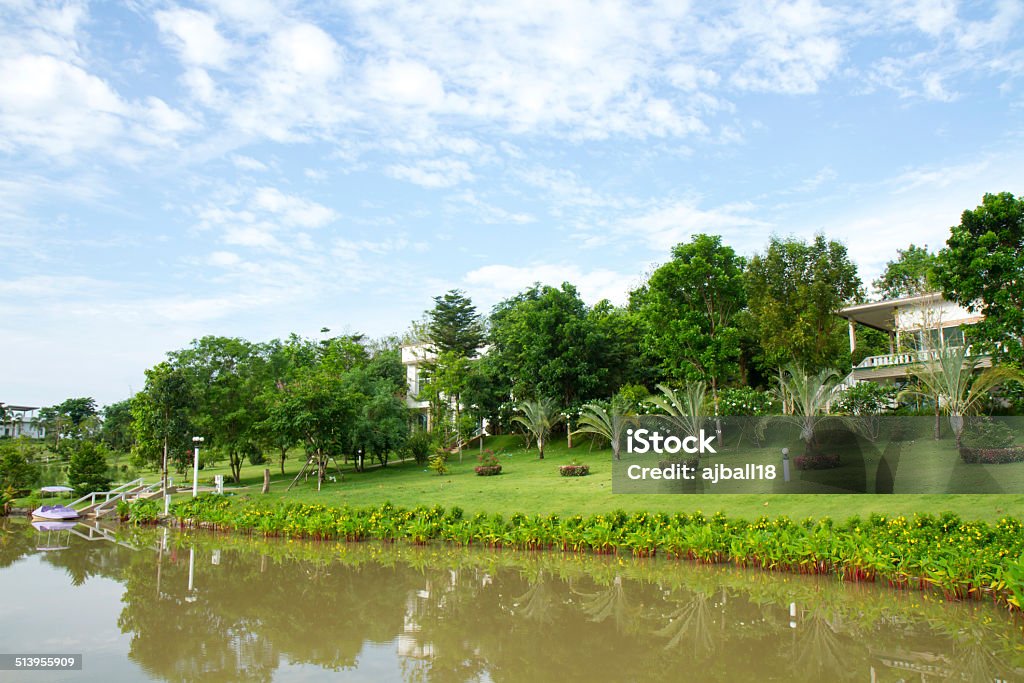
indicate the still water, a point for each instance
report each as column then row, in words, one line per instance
column 156, row 604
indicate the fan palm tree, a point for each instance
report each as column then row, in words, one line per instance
column 686, row 410
column 807, row 398
column 539, row 417
column 950, row 381
column 610, row 425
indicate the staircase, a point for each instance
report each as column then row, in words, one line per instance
column 101, row 503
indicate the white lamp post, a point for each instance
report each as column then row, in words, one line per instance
column 195, row 467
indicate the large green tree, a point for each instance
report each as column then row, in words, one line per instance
column 454, row 326
column 87, row 469
column 982, row 268
column 116, row 432
column 226, row 375
column 161, row 417
column 911, row 274
column 794, row 290
column 547, row 342
column 688, row 308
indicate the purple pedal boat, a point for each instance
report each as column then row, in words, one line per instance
column 54, row 512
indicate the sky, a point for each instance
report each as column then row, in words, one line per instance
column 255, row 168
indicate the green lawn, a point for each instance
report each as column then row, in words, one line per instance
column 533, row 486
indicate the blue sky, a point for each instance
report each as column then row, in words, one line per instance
column 252, row 168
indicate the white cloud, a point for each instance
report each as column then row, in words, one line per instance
column 489, row 213
column 432, row 173
column 293, row 211
column 492, row 283
column 245, row 163
column 56, row 106
column 195, row 36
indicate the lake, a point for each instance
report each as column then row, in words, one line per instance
column 163, row 604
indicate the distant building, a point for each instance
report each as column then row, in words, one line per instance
column 916, row 325
column 415, row 356
column 21, row 421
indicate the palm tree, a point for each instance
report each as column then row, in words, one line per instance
column 687, row 410
column 608, row 425
column 539, row 417
column 949, row 380
column 807, row 397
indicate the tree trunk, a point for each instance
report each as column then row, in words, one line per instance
column 540, row 447
column 266, row 480
column 163, row 469
column 938, row 420
column 714, row 400
column 284, row 454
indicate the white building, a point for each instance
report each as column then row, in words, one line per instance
column 415, row 357
column 21, row 421
column 916, row 325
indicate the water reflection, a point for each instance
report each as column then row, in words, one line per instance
column 228, row 608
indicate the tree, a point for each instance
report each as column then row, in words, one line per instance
column 806, row 397
column 539, row 417
column 794, row 291
column 318, row 408
column 454, row 326
column 15, row 469
column 78, row 409
column 225, row 375
column 982, row 269
column 383, row 426
column 610, row 425
column 87, row 471
column 160, row 416
column 116, row 430
column 950, row 380
column 548, row 343
column 689, row 307
column 686, row 411
column 911, row 274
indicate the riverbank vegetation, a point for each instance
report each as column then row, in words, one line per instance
column 957, row 558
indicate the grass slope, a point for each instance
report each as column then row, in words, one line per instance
column 533, row 486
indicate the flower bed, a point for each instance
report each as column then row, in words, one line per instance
column 489, row 464
column 817, row 461
column 574, row 470
column 992, row 456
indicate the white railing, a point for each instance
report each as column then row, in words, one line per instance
column 904, row 358
column 107, row 495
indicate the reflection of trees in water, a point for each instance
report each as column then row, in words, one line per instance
column 822, row 649
column 537, row 602
column 611, row 603
column 450, row 615
column 692, row 620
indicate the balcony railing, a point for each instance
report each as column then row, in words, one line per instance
column 904, row 358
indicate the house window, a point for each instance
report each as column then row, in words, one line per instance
column 953, row 336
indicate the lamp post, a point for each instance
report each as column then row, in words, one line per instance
column 195, row 466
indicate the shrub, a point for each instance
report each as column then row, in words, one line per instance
column 439, row 462
column 986, row 433
column 816, row 461
column 574, row 470
column 419, row 445
column 15, row 469
column 88, row 469
column 744, row 401
column 992, row 456
column 867, row 398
